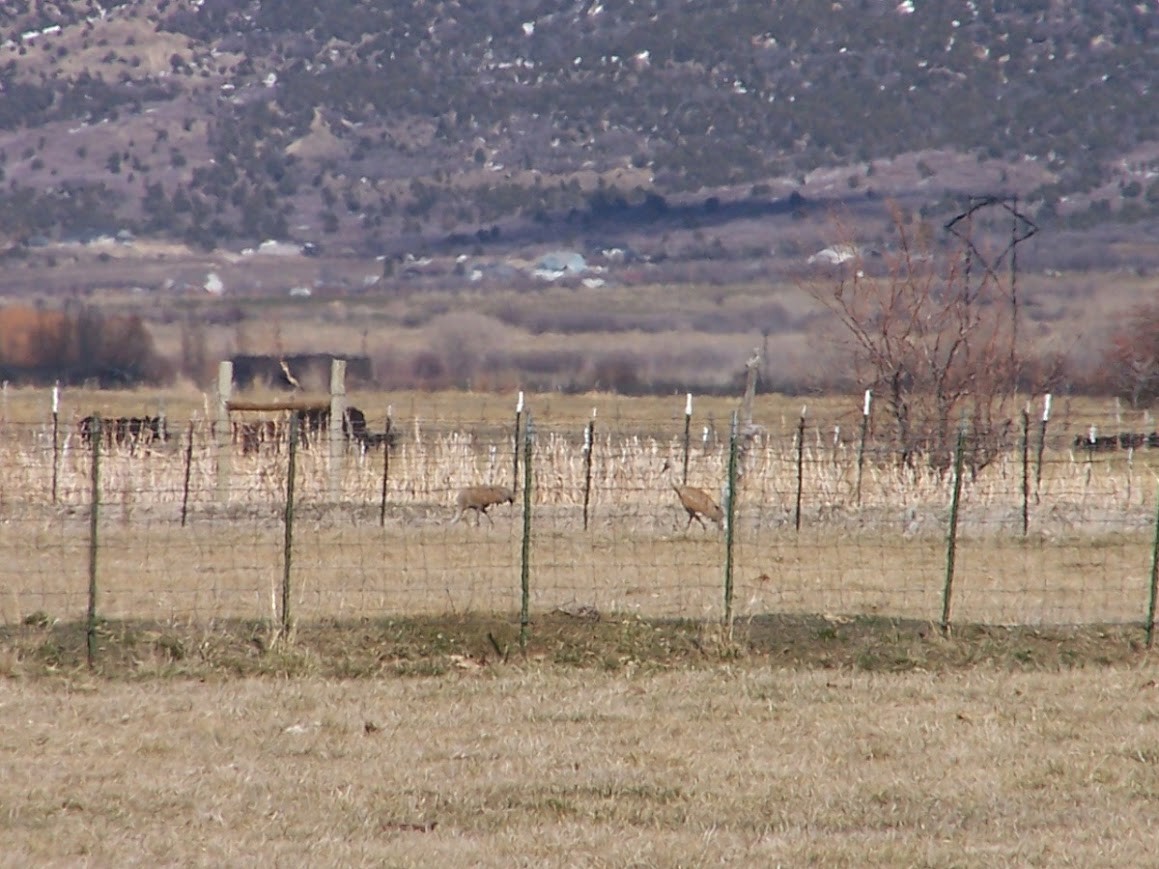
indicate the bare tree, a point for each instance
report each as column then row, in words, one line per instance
column 1131, row 362
column 935, row 349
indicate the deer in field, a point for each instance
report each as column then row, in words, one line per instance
column 479, row 499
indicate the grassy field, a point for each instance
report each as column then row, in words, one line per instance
column 742, row 762
column 401, row 724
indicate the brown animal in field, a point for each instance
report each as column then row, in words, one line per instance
column 696, row 502
column 253, row 436
column 479, row 499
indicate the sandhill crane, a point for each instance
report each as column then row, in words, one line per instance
column 479, row 498
column 696, row 502
column 290, row 378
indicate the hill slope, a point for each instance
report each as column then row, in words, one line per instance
column 382, row 127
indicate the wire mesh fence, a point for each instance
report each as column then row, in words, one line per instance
column 180, row 521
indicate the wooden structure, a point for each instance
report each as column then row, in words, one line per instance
column 225, row 406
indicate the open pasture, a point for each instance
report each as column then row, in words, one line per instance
column 831, row 725
column 741, row 764
column 371, row 533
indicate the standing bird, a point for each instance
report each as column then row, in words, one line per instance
column 479, row 498
column 696, row 502
column 290, row 378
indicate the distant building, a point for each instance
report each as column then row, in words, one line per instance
column 560, row 264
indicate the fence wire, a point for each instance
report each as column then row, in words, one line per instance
column 192, row 531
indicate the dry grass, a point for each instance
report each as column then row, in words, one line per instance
column 733, row 765
column 1086, row 559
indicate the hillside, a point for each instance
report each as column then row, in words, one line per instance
column 384, row 126
column 420, row 160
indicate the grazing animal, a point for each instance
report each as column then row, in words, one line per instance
column 696, row 502
column 354, row 425
column 313, row 423
column 253, row 436
column 479, row 498
column 125, row 430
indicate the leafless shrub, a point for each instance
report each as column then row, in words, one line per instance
column 936, row 346
column 1130, row 366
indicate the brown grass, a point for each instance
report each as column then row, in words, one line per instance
column 1086, row 559
column 742, row 764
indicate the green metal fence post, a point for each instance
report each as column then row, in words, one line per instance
column 385, row 471
column 800, row 469
column 94, row 541
column 516, row 442
column 288, row 544
column 952, row 533
column 687, row 436
column 188, row 471
column 861, row 445
column 55, row 439
column 589, row 448
column 1041, row 446
column 525, row 555
column 1025, row 471
column 1154, row 577
column 730, row 522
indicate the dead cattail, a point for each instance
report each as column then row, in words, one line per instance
column 696, row 502
column 479, row 498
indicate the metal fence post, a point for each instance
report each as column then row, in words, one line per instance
column 94, row 541
column 385, row 471
column 288, row 543
column 589, row 447
column 525, row 555
column 687, row 436
column 188, row 469
column 1025, row 471
column 952, row 533
column 516, row 443
column 337, row 428
column 1154, row 577
column 861, row 445
column 800, row 467
column 730, row 522
column 55, row 438
column 1041, row 446
column 221, row 429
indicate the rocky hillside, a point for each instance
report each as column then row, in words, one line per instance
column 380, row 127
